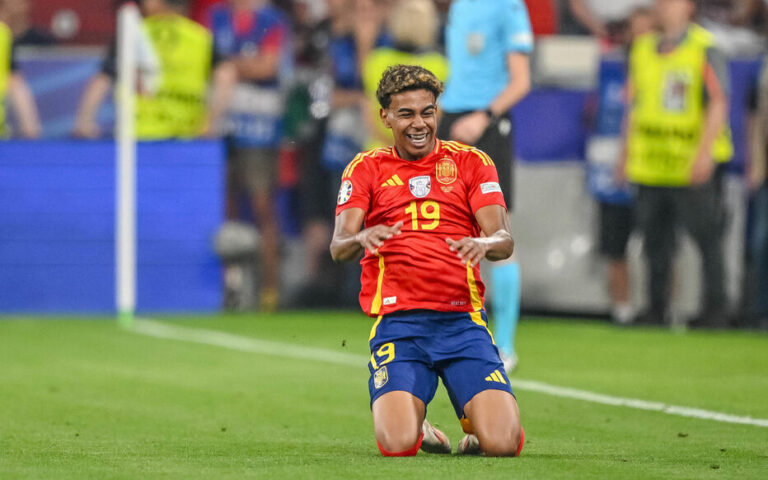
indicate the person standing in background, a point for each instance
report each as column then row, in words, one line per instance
column 676, row 135
column 614, row 200
column 488, row 46
column 758, row 186
column 12, row 83
column 253, row 39
column 172, row 102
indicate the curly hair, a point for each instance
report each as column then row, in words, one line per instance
column 401, row 78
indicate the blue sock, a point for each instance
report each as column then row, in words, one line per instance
column 505, row 296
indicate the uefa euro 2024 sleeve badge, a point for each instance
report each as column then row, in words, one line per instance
column 345, row 192
column 420, row 186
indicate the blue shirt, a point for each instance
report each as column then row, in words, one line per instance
column 256, row 116
column 478, row 36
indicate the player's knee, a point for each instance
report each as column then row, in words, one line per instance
column 502, row 443
column 399, row 444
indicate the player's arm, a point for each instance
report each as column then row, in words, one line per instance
column 620, row 175
column 349, row 240
column 95, row 93
column 266, row 64
column 715, row 83
column 519, row 44
column 23, row 101
column 223, row 83
column 497, row 244
column 24, row 104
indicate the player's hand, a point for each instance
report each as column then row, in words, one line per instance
column 469, row 249
column 620, row 172
column 702, row 169
column 372, row 238
column 469, row 128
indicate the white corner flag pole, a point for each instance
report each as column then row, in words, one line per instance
column 128, row 24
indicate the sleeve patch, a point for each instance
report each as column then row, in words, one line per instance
column 490, row 187
column 345, row 192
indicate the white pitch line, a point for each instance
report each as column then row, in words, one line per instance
column 265, row 347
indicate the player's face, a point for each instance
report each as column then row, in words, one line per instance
column 412, row 117
column 671, row 13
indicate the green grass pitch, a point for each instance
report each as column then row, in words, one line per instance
column 85, row 399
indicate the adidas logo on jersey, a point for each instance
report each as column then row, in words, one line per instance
column 495, row 376
column 394, row 181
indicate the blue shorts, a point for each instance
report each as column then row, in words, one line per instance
column 411, row 349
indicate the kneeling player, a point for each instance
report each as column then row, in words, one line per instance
column 432, row 210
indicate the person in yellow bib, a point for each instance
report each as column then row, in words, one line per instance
column 174, row 103
column 676, row 139
column 13, row 85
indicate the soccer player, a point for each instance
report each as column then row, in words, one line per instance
column 488, row 44
column 423, row 213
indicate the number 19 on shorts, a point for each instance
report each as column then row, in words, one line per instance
column 385, row 354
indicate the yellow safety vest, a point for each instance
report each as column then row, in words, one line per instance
column 6, row 42
column 667, row 115
column 379, row 60
column 178, row 108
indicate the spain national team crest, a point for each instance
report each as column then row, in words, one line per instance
column 380, row 377
column 420, row 186
column 446, row 171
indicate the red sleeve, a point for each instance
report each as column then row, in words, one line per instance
column 483, row 186
column 355, row 190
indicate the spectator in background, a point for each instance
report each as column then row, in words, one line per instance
column 253, row 39
column 16, row 14
column 413, row 25
column 175, row 66
column 675, row 137
column 605, row 19
column 12, row 83
column 489, row 44
column 615, row 203
column 758, row 183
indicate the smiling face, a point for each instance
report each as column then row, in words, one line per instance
column 412, row 117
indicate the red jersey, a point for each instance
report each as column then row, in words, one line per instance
column 436, row 197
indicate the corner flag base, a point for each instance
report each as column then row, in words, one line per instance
column 125, row 318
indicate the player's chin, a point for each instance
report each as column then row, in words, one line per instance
column 419, row 147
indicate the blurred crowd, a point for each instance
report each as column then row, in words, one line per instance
column 290, row 85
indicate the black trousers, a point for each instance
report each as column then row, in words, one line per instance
column 659, row 212
column 497, row 142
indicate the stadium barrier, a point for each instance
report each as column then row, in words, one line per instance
column 57, row 226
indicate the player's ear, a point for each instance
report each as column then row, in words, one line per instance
column 384, row 114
